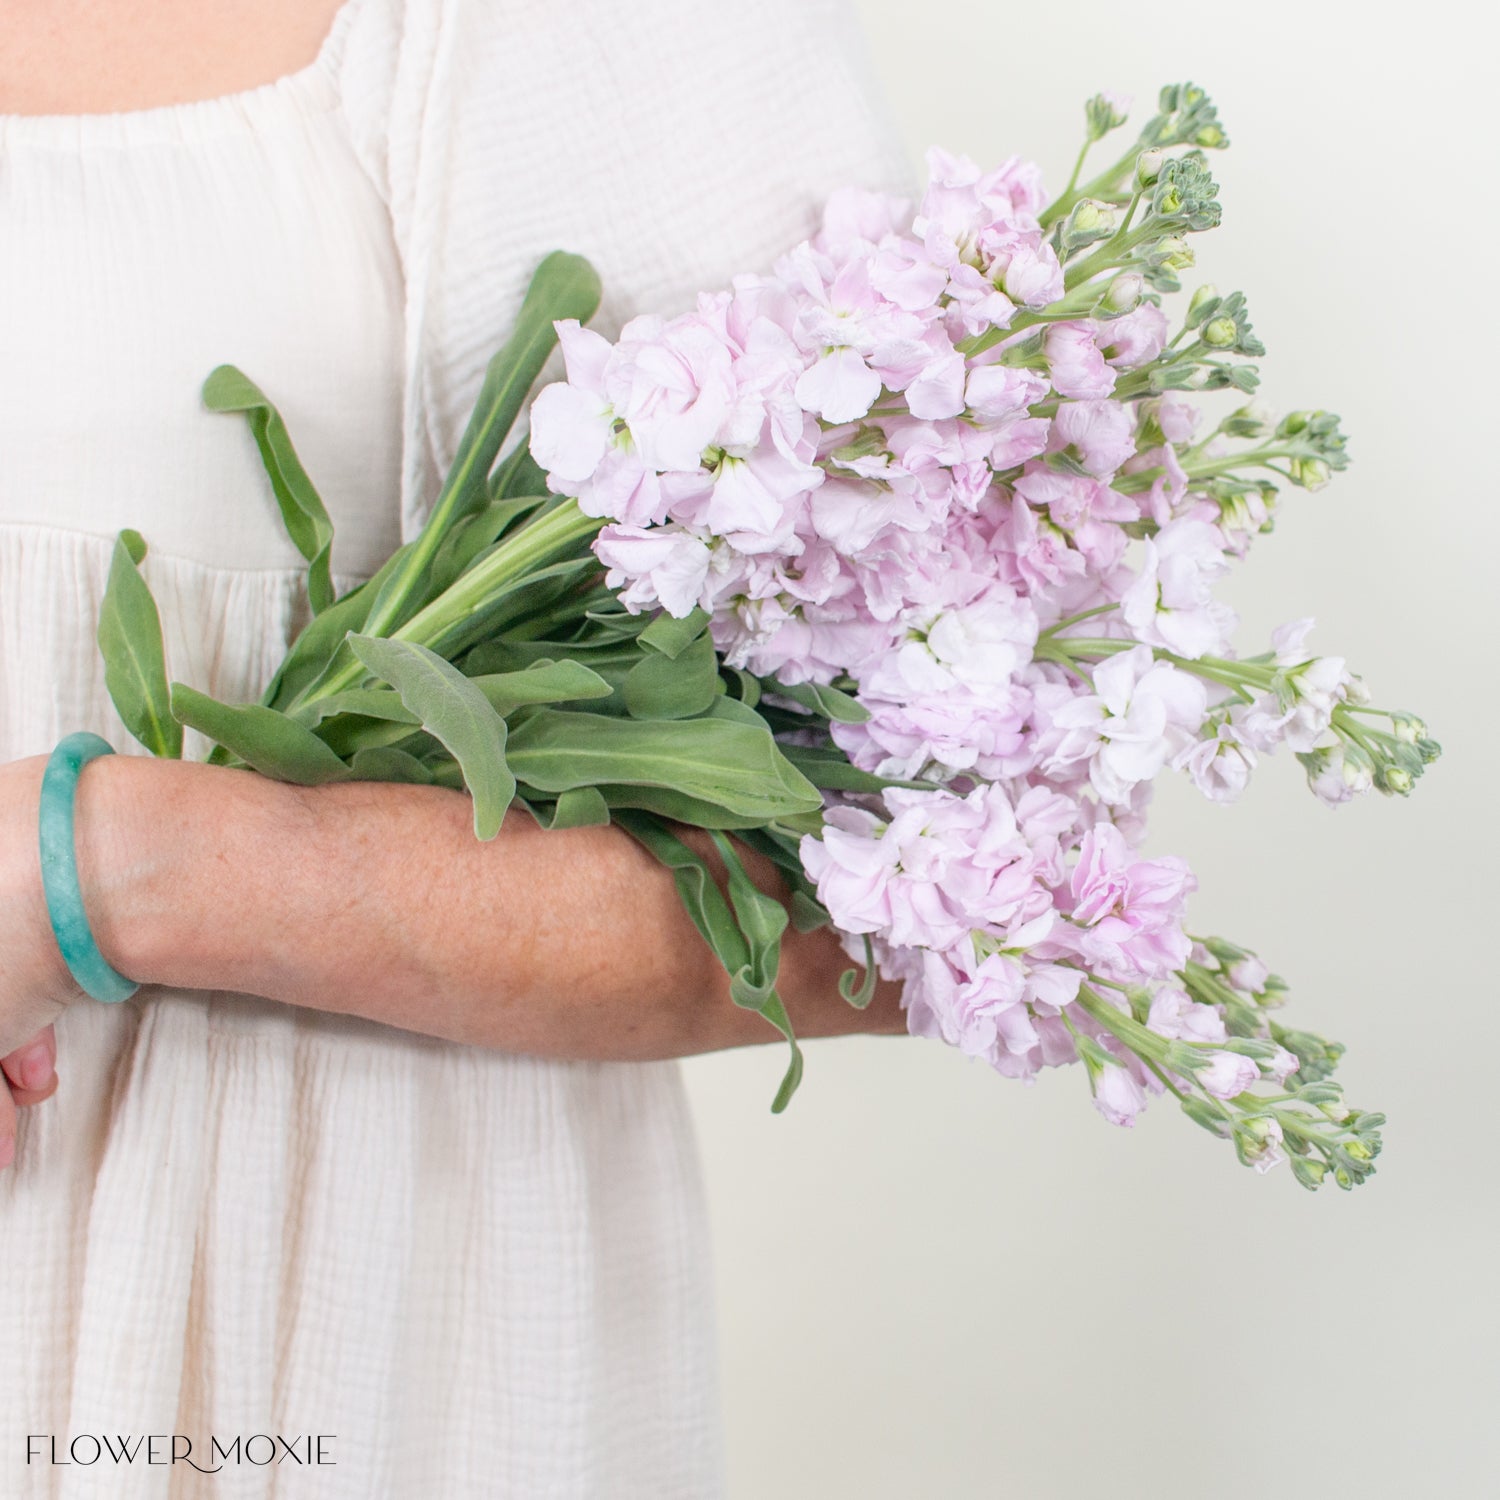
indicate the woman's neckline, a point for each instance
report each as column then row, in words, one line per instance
column 311, row 87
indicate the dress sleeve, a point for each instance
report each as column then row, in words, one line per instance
column 674, row 144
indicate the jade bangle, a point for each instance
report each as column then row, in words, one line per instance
column 70, row 923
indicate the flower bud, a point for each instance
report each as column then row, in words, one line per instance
column 1209, row 136
column 1173, row 252
column 1308, row 1171
column 1408, row 728
column 1106, row 111
column 1123, row 294
column 1219, row 333
column 1310, row 473
column 1089, row 222
column 1148, row 166
column 1394, row 779
column 1200, row 299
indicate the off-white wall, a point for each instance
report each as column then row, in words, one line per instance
column 935, row 1283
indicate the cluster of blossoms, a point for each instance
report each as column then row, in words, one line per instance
column 949, row 462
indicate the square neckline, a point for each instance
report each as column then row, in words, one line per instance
column 312, row 88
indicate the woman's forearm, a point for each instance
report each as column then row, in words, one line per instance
column 377, row 900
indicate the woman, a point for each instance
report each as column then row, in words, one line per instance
column 389, row 1148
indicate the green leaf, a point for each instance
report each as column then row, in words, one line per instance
column 474, row 534
column 670, row 636
column 583, row 807
column 518, row 473
column 544, row 682
column 733, row 766
column 302, row 511
column 135, row 665
column 386, row 763
column 829, row 768
column 271, row 743
column 368, row 703
column 455, row 713
column 674, row 687
column 564, row 286
column 743, row 953
column 819, row 698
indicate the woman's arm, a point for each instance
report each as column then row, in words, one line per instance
column 377, row 900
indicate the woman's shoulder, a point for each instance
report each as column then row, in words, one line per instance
column 538, row 110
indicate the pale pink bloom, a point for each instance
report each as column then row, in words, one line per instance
column 1032, row 275
column 1249, row 974
column 1219, row 764
column 1117, row 1094
column 672, row 383
column 994, row 392
column 660, row 565
column 1141, row 712
column 1226, row 1074
column 1178, row 416
column 1101, row 432
column 840, row 386
column 1078, row 368
column 1175, row 1014
column 1126, row 912
column 1171, row 602
column 1135, row 339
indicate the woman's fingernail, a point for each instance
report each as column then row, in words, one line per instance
column 7, row 1150
column 35, row 1067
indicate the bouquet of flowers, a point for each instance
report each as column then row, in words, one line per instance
column 897, row 563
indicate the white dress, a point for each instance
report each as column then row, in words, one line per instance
column 478, row 1274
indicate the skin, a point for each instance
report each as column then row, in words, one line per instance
column 373, row 900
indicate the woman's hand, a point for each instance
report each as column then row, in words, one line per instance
column 30, row 1077
column 35, row 986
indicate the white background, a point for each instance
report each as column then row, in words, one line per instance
column 937, row 1283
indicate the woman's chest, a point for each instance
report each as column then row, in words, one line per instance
column 140, row 251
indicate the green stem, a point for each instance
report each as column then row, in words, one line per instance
column 542, row 541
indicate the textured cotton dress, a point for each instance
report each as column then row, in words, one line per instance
column 477, row 1274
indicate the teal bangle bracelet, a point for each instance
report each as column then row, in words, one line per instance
column 70, row 923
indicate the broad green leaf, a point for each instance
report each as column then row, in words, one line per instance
column 670, row 636
column 302, row 511
column 830, row 769
column 135, row 665
column 674, row 687
column 518, row 473
column 722, row 928
column 734, row 766
column 564, row 286
column 583, row 807
column 455, row 713
column 821, row 699
column 678, row 807
column 385, row 763
column 271, row 743
column 368, row 703
column 544, row 682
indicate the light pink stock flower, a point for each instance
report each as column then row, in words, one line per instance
column 1125, row 912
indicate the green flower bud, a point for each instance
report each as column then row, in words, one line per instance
column 1219, row 333
column 1211, row 137
column 1310, row 473
column 1105, row 112
column 1123, row 294
column 1148, row 166
column 1198, row 306
column 1089, row 221
column 1309, row 1172
column 1408, row 728
column 1395, row 780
